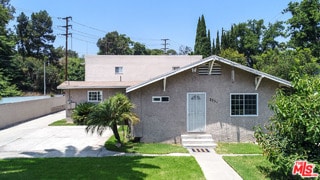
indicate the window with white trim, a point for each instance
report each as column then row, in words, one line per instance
column 160, row 98
column 245, row 104
column 94, row 96
column 118, row 70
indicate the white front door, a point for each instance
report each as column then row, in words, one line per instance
column 196, row 112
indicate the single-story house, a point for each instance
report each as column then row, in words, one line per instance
column 213, row 95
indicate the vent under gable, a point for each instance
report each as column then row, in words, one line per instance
column 204, row 69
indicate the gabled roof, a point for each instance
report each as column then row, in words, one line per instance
column 203, row 61
column 96, row 84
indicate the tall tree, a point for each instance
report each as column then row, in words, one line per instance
column 270, row 34
column 248, row 37
column 202, row 41
column 7, row 66
column 115, row 44
column 42, row 37
column 35, row 36
column 218, row 45
column 22, row 31
column 207, row 45
column 304, row 25
column 213, row 48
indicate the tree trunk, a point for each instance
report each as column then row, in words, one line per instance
column 115, row 132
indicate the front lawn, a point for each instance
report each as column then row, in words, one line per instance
column 120, row 167
column 238, row 148
column 250, row 164
column 250, row 167
column 143, row 148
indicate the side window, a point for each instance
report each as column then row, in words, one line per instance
column 94, row 96
column 118, row 70
column 243, row 104
column 160, row 98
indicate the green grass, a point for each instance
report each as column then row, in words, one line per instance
column 250, row 167
column 62, row 122
column 238, row 148
column 142, row 148
column 120, row 167
column 146, row 148
column 247, row 166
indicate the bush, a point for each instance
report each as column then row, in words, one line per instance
column 294, row 130
column 81, row 112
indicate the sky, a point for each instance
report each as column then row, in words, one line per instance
column 147, row 21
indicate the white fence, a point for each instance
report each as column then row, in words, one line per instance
column 14, row 113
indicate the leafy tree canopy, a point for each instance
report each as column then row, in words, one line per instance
column 294, row 130
column 35, row 36
column 114, row 44
column 304, row 25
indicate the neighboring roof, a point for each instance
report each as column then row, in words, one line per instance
column 96, row 84
column 211, row 58
column 133, row 67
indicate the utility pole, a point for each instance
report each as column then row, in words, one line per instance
column 44, row 77
column 66, row 53
column 165, row 45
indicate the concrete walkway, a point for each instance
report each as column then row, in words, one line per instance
column 213, row 166
column 36, row 139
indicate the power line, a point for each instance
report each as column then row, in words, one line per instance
column 91, row 36
column 90, row 27
column 67, row 35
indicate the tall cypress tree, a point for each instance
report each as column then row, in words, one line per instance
column 218, row 49
column 213, row 49
column 207, row 46
column 197, row 41
column 202, row 43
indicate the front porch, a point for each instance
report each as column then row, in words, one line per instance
column 197, row 140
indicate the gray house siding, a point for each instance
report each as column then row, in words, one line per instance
column 166, row 121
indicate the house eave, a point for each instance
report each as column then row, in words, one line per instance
column 69, row 85
column 213, row 58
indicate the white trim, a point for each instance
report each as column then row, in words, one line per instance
column 205, row 110
column 257, row 107
column 164, row 83
column 203, row 61
column 99, row 92
column 211, row 67
column 257, row 81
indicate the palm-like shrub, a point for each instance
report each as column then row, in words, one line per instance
column 112, row 112
column 81, row 112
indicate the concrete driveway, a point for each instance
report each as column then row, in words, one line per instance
column 36, row 139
